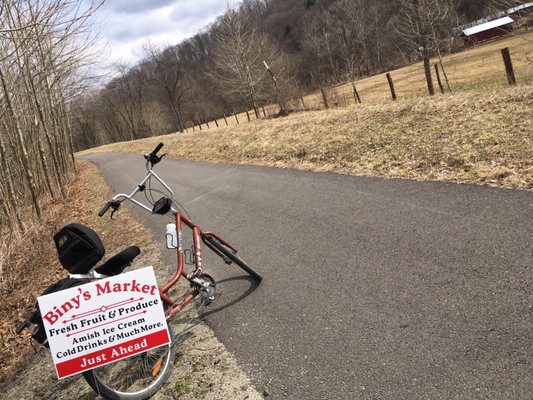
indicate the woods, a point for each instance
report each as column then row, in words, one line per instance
column 258, row 53
column 307, row 45
column 42, row 46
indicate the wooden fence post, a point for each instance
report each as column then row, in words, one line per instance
column 248, row 115
column 356, row 94
column 216, row 122
column 235, row 115
column 193, row 126
column 264, row 113
column 508, row 66
column 303, row 103
column 225, row 119
column 199, row 125
column 207, row 123
column 391, row 85
column 324, row 98
column 429, row 78
column 438, row 78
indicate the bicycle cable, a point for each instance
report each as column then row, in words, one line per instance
column 181, row 207
column 152, row 201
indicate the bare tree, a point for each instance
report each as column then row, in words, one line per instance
column 427, row 27
column 319, row 39
column 42, row 44
column 126, row 96
column 169, row 74
column 239, row 49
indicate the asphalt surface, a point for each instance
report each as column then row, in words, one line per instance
column 373, row 288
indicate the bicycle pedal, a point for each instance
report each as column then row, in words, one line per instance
column 227, row 260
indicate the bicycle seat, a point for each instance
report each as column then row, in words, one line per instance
column 116, row 264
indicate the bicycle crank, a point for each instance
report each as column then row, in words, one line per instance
column 207, row 288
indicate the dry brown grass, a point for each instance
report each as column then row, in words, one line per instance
column 476, row 68
column 31, row 263
column 472, row 137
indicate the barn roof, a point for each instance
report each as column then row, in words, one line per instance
column 488, row 25
column 521, row 7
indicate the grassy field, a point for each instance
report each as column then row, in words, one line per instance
column 483, row 138
column 482, row 133
column 476, row 68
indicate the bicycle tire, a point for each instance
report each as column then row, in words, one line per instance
column 234, row 258
column 113, row 391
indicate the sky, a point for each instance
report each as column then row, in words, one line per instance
column 124, row 25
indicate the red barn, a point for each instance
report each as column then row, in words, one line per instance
column 488, row 30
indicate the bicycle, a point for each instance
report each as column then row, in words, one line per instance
column 142, row 375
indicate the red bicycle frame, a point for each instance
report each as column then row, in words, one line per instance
column 199, row 235
column 169, row 305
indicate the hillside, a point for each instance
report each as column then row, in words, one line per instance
column 307, row 44
column 467, row 137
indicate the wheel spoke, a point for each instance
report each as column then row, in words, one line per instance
column 138, row 376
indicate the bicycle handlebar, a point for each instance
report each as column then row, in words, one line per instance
column 104, row 210
column 114, row 204
column 152, row 157
column 157, row 148
column 22, row 326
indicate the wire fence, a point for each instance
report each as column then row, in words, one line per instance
column 475, row 68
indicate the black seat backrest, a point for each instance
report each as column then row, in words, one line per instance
column 79, row 248
column 116, row 264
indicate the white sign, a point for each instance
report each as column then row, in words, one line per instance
column 104, row 321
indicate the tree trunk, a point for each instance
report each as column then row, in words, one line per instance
column 10, row 187
column 22, row 147
column 44, row 163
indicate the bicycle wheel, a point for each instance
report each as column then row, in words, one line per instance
column 135, row 378
column 233, row 257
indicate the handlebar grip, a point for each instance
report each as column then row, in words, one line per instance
column 21, row 327
column 104, row 210
column 157, row 148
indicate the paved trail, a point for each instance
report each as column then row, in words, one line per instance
column 373, row 289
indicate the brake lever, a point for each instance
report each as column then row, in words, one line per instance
column 153, row 160
column 115, row 206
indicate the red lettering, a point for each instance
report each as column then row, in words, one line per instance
column 67, row 307
column 51, row 317
column 135, row 286
column 106, row 288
